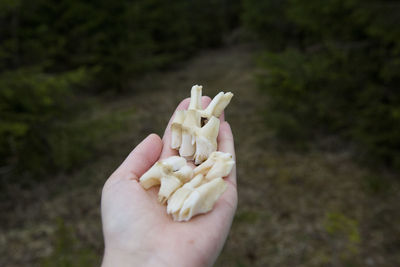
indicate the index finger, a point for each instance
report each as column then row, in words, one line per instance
column 140, row 159
column 226, row 144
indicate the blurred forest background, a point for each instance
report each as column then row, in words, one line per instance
column 316, row 84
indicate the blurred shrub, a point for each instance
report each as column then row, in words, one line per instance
column 338, row 71
column 53, row 129
column 266, row 19
column 78, row 140
column 55, row 54
column 31, row 105
column 119, row 39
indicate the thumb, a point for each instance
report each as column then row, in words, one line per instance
column 140, row 159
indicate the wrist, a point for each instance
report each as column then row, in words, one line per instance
column 120, row 258
column 116, row 257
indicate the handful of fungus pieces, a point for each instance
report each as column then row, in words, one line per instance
column 194, row 132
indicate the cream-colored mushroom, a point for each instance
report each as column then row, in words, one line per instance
column 200, row 194
column 198, row 141
column 169, row 184
column 217, row 105
column 175, row 202
column 219, row 164
column 194, row 133
column 159, row 169
column 176, row 129
column 174, row 162
column 189, row 127
column 206, row 140
column 195, row 97
column 184, row 174
column 171, row 173
column 201, row 199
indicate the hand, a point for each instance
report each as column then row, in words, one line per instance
column 137, row 229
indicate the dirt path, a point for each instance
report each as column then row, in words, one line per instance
column 311, row 208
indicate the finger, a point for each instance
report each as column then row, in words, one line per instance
column 167, row 151
column 205, row 100
column 226, row 144
column 222, row 117
column 141, row 158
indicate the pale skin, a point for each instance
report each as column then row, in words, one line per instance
column 137, row 229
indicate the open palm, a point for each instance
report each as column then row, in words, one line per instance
column 137, row 229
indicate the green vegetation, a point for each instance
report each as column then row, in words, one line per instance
column 340, row 227
column 333, row 68
column 338, row 223
column 247, row 217
column 50, row 128
column 115, row 40
column 287, row 200
column 32, row 105
column 56, row 55
column 68, row 250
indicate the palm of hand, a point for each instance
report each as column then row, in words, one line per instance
column 137, row 227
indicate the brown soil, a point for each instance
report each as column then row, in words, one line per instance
column 309, row 208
